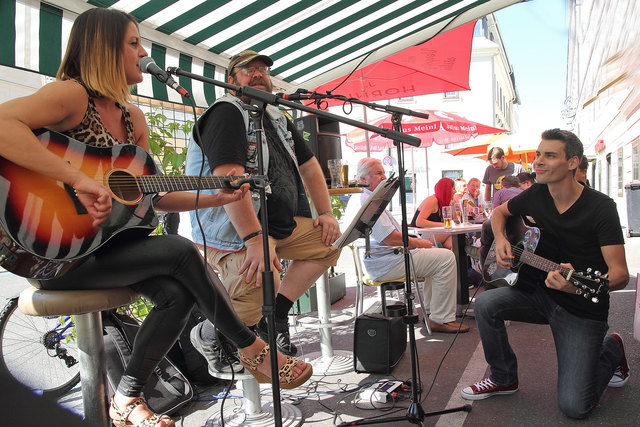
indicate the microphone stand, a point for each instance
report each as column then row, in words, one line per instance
column 259, row 99
column 415, row 413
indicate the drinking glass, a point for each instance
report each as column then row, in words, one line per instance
column 464, row 211
column 335, row 170
column 487, row 207
column 344, row 174
column 447, row 216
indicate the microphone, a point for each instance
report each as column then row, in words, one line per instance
column 148, row 65
column 299, row 95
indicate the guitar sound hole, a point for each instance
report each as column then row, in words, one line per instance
column 124, row 186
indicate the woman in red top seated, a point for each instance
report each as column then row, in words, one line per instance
column 429, row 213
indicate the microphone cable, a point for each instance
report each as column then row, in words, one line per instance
column 198, row 140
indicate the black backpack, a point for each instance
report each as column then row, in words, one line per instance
column 166, row 391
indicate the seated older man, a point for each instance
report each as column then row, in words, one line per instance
column 437, row 266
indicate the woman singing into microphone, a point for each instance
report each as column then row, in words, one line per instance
column 89, row 103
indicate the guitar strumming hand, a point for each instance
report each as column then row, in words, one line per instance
column 95, row 197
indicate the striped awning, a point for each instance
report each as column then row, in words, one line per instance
column 312, row 42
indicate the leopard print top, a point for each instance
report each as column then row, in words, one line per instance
column 91, row 130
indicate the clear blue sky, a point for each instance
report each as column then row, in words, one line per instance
column 535, row 35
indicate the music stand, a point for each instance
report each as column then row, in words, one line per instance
column 369, row 213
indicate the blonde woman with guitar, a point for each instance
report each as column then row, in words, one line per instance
column 77, row 208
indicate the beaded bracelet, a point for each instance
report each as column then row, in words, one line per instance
column 325, row 213
column 252, row 235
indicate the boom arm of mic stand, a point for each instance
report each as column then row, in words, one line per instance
column 269, row 98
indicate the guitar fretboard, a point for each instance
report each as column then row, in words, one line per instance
column 538, row 262
column 160, row 183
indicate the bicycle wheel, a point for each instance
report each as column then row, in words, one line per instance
column 25, row 357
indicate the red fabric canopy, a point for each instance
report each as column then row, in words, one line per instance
column 438, row 65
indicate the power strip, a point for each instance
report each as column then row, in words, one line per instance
column 379, row 392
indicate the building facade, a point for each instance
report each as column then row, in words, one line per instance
column 603, row 92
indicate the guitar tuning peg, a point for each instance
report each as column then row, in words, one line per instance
column 595, row 300
column 589, row 270
column 597, row 273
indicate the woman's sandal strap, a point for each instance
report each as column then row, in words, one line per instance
column 256, row 361
column 153, row 420
column 124, row 414
column 286, row 372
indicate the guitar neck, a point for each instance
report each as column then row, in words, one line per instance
column 161, row 183
column 538, row 262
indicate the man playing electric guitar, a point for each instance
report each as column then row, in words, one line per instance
column 580, row 229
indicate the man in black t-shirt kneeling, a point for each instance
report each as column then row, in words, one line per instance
column 579, row 229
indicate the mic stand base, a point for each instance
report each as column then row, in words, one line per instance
column 340, row 362
column 415, row 413
column 235, row 416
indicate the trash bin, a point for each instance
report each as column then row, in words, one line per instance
column 632, row 191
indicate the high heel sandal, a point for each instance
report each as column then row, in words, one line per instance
column 285, row 374
column 123, row 416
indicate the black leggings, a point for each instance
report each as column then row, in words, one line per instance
column 168, row 271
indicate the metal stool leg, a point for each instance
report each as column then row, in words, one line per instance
column 92, row 367
column 425, row 317
column 359, row 298
column 383, row 297
column 251, row 412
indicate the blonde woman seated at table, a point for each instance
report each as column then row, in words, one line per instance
column 429, row 213
column 460, row 186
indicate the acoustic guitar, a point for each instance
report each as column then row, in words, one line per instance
column 45, row 230
column 524, row 240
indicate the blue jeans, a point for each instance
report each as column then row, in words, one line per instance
column 586, row 359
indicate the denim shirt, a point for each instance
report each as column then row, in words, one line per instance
column 219, row 231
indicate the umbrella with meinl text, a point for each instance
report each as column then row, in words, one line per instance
column 441, row 128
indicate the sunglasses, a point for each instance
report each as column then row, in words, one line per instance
column 248, row 71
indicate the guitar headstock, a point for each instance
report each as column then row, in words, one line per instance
column 591, row 284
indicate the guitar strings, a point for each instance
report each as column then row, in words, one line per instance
column 543, row 263
column 132, row 182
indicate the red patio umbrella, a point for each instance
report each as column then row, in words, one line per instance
column 438, row 65
column 441, row 127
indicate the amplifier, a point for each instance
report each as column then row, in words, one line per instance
column 378, row 343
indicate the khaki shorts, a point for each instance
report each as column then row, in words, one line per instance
column 304, row 244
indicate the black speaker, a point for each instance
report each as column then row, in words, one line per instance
column 378, row 343
column 323, row 137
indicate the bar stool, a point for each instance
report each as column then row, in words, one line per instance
column 251, row 412
column 86, row 305
column 384, row 287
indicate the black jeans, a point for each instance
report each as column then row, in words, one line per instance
column 168, row 271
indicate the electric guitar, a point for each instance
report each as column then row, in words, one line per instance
column 45, row 230
column 524, row 240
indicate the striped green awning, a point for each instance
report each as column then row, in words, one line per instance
column 311, row 42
